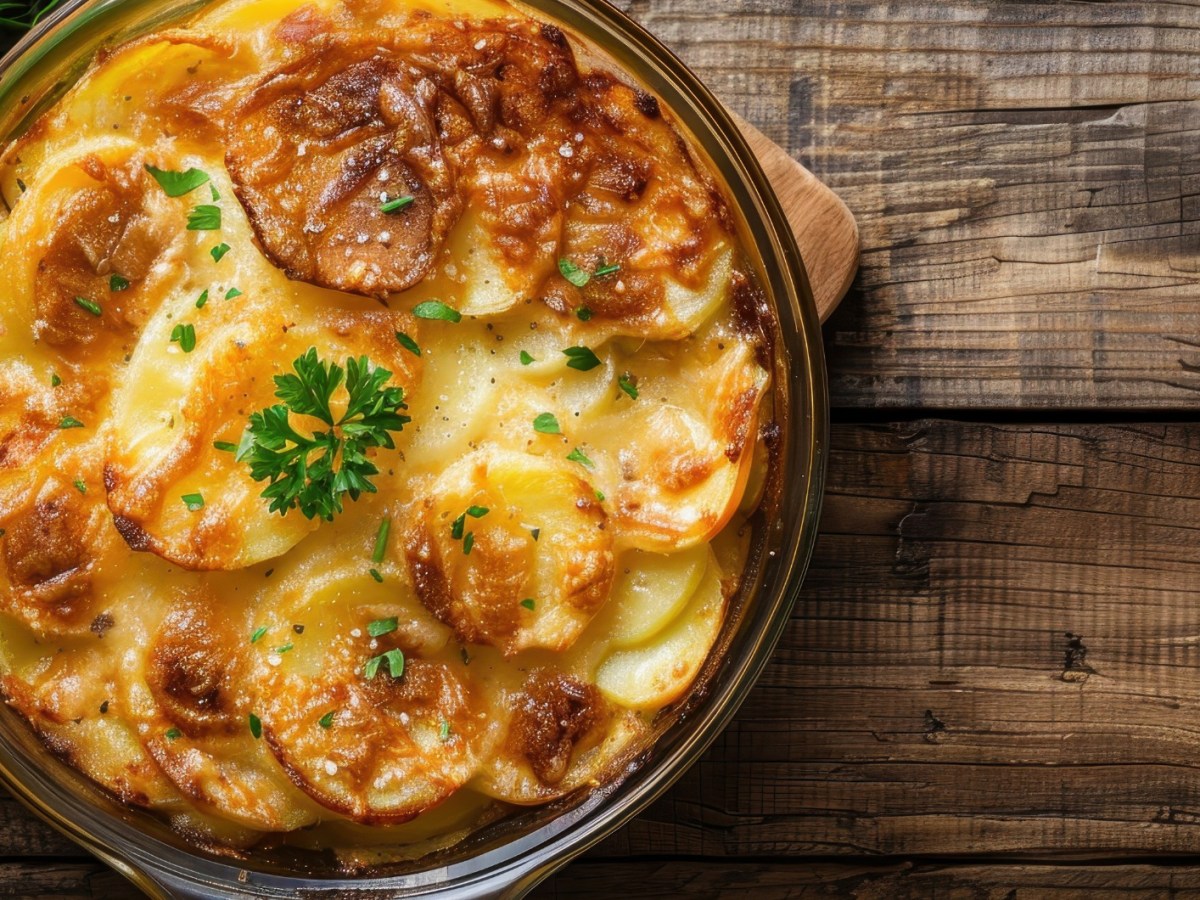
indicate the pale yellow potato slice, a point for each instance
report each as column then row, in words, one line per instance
column 650, row 590
column 511, row 550
column 659, row 672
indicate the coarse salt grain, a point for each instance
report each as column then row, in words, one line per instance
column 330, row 767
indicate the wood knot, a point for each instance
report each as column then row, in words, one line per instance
column 1075, row 665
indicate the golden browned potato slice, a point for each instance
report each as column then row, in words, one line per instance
column 192, row 712
column 174, row 402
column 353, row 703
column 549, row 735
column 510, row 550
column 321, row 147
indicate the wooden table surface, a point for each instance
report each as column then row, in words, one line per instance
column 990, row 688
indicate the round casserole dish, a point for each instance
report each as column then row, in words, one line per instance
column 509, row 857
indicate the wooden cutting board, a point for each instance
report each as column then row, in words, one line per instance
column 825, row 230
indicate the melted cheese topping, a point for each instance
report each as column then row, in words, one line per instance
column 209, row 662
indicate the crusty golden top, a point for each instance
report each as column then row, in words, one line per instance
column 552, row 524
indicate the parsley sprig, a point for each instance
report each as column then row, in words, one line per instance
column 313, row 472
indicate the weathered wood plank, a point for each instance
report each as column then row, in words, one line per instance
column 1023, row 176
column 782, row 880
column 61, row 880
column 996, row 651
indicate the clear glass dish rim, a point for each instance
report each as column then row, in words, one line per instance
column 162, row 870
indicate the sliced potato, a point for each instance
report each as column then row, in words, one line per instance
column 510, row 550
column 658, row 672
column 650, row 591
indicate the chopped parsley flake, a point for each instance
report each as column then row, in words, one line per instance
column 176, row 184
column 204, row 217
column 609, row 269
column 583, row 314
column 258, row 633
column 174, row 734
column 374, row 573
column 380, row 627
column 70, row 422
column 255, row 725
column 55, row 381
column 581, row 358
column 526, row 359
column 628, row 383
column 468, row 543
column 90, row 305
column 600, row 495
column 193, row 502
column 381, row 539
column 232, row 292
column 215, row 194
column 396, row 204
column 528, row 603
column 477, row 512
column 546, row 423
column 580, row 457
column 394, row 660
column 218, row 251
column 117, row 282
column 444, row 731
column 573, row 273
column 202, row 299
column 225, row 446
column 285, row 648
column 80, row 485
column 326, row 721
column 185, row 335
column 436, row 309
column 456, row 528
column 408, row 343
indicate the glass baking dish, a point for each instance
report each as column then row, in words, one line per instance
column 511, row 856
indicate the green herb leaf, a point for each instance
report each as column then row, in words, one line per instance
column 202, row 299
column 528, row 603
column 225, row 446
column 193, row 502
column 546, row 423
column 573, row 273
column 374, row 573
column 628, row 383
column 314, row 472
column 436, row 309
column 80, row 485
column 213, row 190
column 258, row 633
column 173, row 734
column 456, row 528
column 468, row 543
column 70, row 422
column 581, row 358
column 204, row 218
column 232, row 292
column 55, row 381
column 381, row 539
column 286, row 648
column 610, row 269
column 583, row 314
column 600, row 495
column 580, row 457
column 396, row 204
column 477, row 512
column 444, row 731
column 394, row 660
column 186, row 336
column 526, row 359
column 218, row 251
column 117, row 282
column 255, row 725
column 90, row 305
column 380, row 627
column 176, row 184
column 408, row 343
column 326, row 721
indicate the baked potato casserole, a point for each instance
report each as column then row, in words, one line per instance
column 385, row 397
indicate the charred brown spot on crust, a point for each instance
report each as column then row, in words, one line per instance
column 193, row 669
column 555, row 714
column 647, row 104
column 101, row 624
column 737, row 421
column 753, row 316
column 553, row 34
column 135, row 536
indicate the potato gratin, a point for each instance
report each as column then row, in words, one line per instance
column 384, row 398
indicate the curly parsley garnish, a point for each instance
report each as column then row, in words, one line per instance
column 280, row 454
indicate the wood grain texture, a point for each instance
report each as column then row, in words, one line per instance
column 885, row 881
column 1024, row 176
column 822, row 224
